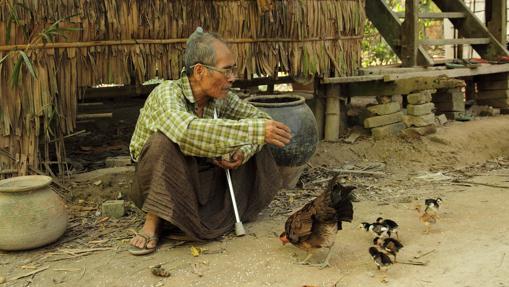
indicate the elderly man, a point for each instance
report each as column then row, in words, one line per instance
column 188, row 132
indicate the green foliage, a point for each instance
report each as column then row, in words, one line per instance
column 47, row 35
column 375, row 51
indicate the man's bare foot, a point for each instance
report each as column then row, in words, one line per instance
column 148, row 236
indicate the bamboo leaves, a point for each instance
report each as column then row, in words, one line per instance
column 49, row 34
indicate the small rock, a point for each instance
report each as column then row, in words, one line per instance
column 2, row 280
column 98, row 182
column 113, row 208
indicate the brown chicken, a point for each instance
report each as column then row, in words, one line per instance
column 427, row 217
column 315, row 225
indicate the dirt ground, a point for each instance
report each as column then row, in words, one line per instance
column 464, row 163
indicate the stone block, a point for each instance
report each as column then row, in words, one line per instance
column 113, row 208
column 419, row 110
column 384, row 109
column 388, row 130
column 418, row 98
column 441, row 120
column 384, row 120
column 117, row 161
column 418, row 121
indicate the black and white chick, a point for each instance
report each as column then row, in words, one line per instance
column 382, row 261
column 391, row 224
column 432, row 204
column 377, row 229
column 391, row 245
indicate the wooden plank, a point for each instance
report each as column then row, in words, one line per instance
column 352, row 79
column 496, row 19
column 452, row 73
column 430, row 15
column 472, row 27
column 462, row 41
column 389, row 26
column 392, row 74
column 410, row 34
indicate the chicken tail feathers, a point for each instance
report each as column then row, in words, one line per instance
column 341, row 200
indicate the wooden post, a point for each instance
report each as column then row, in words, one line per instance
column 319, row 109
column 410, row 34
column 496, row 19
column 332, row 113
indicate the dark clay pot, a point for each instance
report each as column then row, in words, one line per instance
column 292, row 111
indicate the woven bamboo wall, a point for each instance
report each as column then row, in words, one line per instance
column 121, row 40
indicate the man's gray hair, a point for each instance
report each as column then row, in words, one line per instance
column 199, row 49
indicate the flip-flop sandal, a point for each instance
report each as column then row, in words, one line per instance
column 144, row 250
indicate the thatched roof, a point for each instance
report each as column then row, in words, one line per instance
column 124, row 40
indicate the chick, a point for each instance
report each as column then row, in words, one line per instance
column 390, row 224
column 432, row 204
column 382, row 261
column 377, row 229
column 427, row 218
column 391, row 245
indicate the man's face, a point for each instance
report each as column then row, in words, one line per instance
column 217, row 82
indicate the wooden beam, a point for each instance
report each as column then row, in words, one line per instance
column 496, row 19
column 394, row 74
column 460, row 41
column 319, row 109
column 447, row 15
column 472, row 27
column 410, row 34
column 352, row 79
column 451, row 73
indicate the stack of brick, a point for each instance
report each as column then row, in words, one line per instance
column 493, row 90
column 420, row 117
column 450, row 102
column 384, row 119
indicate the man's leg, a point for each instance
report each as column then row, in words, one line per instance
column 150, row 230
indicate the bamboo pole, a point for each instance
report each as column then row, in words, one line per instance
column 164, row 41
column 332, row 113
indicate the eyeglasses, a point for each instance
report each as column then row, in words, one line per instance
column 227, row 72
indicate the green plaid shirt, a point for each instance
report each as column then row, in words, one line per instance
column 170, row 109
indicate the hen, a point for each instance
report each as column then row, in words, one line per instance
column 315, row 225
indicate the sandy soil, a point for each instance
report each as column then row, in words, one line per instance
column 467, row 164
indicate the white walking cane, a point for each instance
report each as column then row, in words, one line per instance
column 239, row 227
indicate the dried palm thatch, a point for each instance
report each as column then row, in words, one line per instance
column 121, row 41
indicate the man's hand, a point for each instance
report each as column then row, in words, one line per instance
column 277, row 133
column 236, row 161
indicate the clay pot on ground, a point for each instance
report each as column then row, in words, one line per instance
column 31, row 213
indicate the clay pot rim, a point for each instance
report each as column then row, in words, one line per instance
column 298, row 100
column 24, row 183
